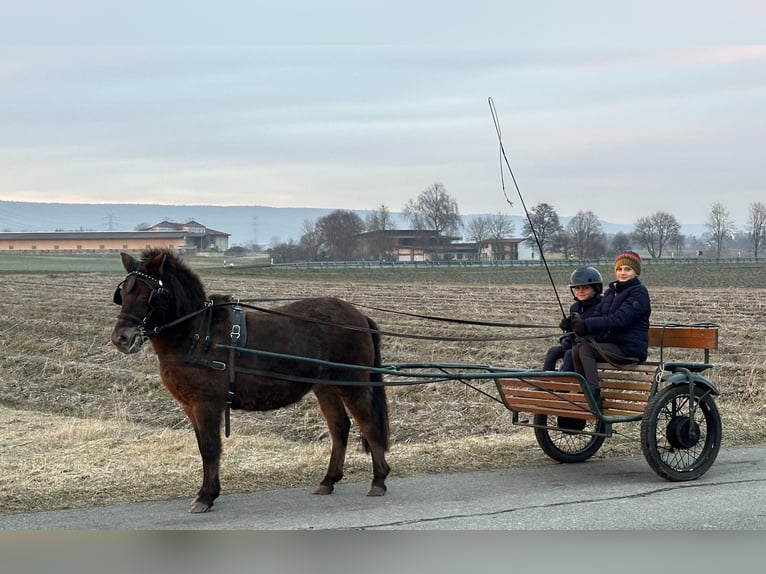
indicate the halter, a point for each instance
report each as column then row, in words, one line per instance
column 156, row 299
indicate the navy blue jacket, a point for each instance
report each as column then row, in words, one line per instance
column 622, row 318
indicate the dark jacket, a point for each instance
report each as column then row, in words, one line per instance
column 622, row 318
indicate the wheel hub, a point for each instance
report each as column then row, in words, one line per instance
column 682, row 432
column 571, row 424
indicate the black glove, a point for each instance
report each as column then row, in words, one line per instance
column 578, row 325
column 566, row 325
column 567, row 342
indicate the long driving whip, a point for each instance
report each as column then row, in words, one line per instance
column 504, row 158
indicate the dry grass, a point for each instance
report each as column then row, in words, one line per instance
column 84, row 425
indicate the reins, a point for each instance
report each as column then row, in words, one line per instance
column 208, row 305
column 408, row 335
column 436, row 318
column 460, row 321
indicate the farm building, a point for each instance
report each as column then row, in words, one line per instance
column 426, row 245
column 190, row 237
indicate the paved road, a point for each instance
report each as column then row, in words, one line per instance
column 599, row 494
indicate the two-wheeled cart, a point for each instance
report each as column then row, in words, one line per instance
column 669, row 396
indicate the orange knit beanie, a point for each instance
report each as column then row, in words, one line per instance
column 630, row 258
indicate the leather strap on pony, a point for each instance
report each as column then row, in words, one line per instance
column 238, row 339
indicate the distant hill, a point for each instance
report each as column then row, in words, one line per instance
column 247, row 224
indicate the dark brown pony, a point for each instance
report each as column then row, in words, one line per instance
column 163, row 300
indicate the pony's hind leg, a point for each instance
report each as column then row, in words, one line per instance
column 338, row 424
column 370, row 412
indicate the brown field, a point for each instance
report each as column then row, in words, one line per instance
column 85, row 425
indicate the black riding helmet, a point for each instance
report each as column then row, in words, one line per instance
column 586, row 276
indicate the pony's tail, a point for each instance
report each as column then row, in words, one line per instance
column 379, row 402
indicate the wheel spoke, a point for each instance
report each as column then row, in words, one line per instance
column 682, row 433
column 568, row 440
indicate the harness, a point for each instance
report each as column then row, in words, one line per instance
column 160, row 301
column 160, row 298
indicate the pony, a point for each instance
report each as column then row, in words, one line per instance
column 216, row 354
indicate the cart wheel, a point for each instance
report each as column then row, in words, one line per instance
column 568, row 445
column 676, row 445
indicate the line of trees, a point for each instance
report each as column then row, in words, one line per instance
column 333, row 236
column 657, row 234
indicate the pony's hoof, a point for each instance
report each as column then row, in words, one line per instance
column 199, row 507
column 323, row 489
column 376, row 491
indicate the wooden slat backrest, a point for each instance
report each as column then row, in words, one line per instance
column 685, row 337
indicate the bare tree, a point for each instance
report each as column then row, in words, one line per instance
column 656, row 231
column 338, row 230
column 286, row 252
column 311, row 239
column 620, row 242
column 434, row 210
column 379, row 219
column 478, row 231
column 720, row 227
column 489, row 228
column 587, row 235
column 500, row 226
column 678, row 244
column 563, row 243
column 377, row 223
column 756, row 221
column 546, row 227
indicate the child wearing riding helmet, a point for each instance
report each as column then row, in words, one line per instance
column 617, row 331
column 586, row 285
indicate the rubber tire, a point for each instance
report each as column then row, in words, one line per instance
column 664, row 412
column 565, row 446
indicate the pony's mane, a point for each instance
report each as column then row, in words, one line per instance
column 184, row 283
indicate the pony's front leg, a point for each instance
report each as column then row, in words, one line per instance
column 206, row 419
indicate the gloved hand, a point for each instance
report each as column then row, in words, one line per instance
column 566, row 325
column 578, row 325
column 567, row 342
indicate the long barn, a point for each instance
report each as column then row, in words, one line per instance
column 184, row 237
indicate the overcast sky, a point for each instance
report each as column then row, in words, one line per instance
column 623, row 109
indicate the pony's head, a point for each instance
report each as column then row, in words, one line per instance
column 159, row 288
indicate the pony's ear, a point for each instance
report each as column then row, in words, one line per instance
column 128, row 262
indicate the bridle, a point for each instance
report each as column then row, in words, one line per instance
column 159, row 299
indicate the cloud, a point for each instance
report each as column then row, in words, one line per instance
column 358, row 111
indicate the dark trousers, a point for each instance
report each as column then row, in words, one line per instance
column 585, row 355
column 556, row 353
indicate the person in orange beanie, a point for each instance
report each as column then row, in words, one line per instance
column 617, row 331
